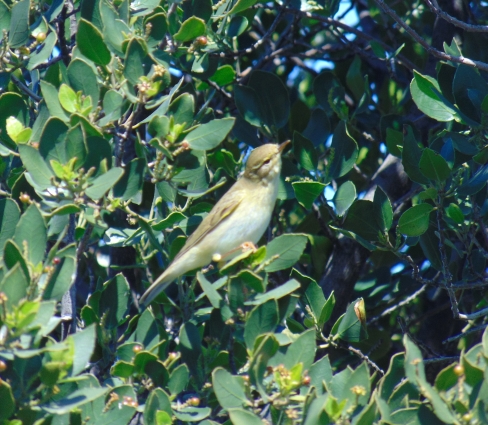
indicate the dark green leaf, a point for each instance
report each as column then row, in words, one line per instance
column 434, row 166
column 179, row 379
column 8, row 401
column 50, row 95
column 304, row 152
column 302, row 350
column 114, row 301
column 455, row 213
column 383, row 210
column 90, row 42
column 11, row 105
column 190, row 346
column 131, row 182
column 411, row 155
column 244, row 417
column 14, row 285
column 359, row 220
column 343, row 153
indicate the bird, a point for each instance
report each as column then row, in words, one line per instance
column 240, row 217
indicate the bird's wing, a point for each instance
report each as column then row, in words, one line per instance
column 219, row 213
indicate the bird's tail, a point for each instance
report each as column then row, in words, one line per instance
column 156, row 288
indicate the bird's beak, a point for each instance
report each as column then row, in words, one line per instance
column 283, row 146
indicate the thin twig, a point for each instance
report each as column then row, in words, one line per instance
column 25, row 89
column 434, row 6
column 406, row 301
column 469, row 331
column 431, row 50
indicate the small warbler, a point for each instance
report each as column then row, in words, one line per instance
column 240, row 216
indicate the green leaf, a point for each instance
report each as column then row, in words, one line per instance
column 424, row 91
column 31, row 232
column 52, row 144
column 210, row 292
column 90, row 42
column 302, row 350
column 61, row 279
column 224, row 75
column 82, row 78
column 14, row 285
column 288, row 248
column 343, row 153
column 229, row 389
column 192, row 414
column 84, row 344
column 134, row 61
column 67, row 98
column 273, row 98
column 190, row 29
column 19, row 24
column 9, row 217
column 315, row 298
column 351, row 329
column 114, row 301
column 103, row 183
column 158, row 400
column 411, row 155
column 276, row 293
column 304, row 152
column 11, row 105
column 382, row 209
column 359, row 220
column 454, row 212
column 469, row 89
column 433, row 166
column 74, row 400
column 190, row 346
column 244, row 417
column 242, row 5
column 179, row 379
column 7, row 397
column 262, row 319
column 307, row 192
column 344, row 197
column 415, row 221
column 320, row 373
column 129, row 185
column 394, row 138
column 50, row 95
column 13, row 256
column 208, row 136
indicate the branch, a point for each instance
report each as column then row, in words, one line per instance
column 25, row 89
column 431, row 50
column 434, row 6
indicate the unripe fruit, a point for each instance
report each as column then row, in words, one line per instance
column 40, row 37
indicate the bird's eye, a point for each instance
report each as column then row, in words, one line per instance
column 267, row 161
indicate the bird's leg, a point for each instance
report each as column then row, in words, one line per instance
column 246, row 246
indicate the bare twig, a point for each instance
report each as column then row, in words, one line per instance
column 395, row 307
column 431, row 50
column 434, row 6
column 25, row 89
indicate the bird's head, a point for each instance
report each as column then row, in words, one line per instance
column 264, row 162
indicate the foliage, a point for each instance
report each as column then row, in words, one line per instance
column 122, row 123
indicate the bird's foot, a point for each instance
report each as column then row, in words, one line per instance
column 246, row 246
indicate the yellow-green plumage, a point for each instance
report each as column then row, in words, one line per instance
column 241, row 215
